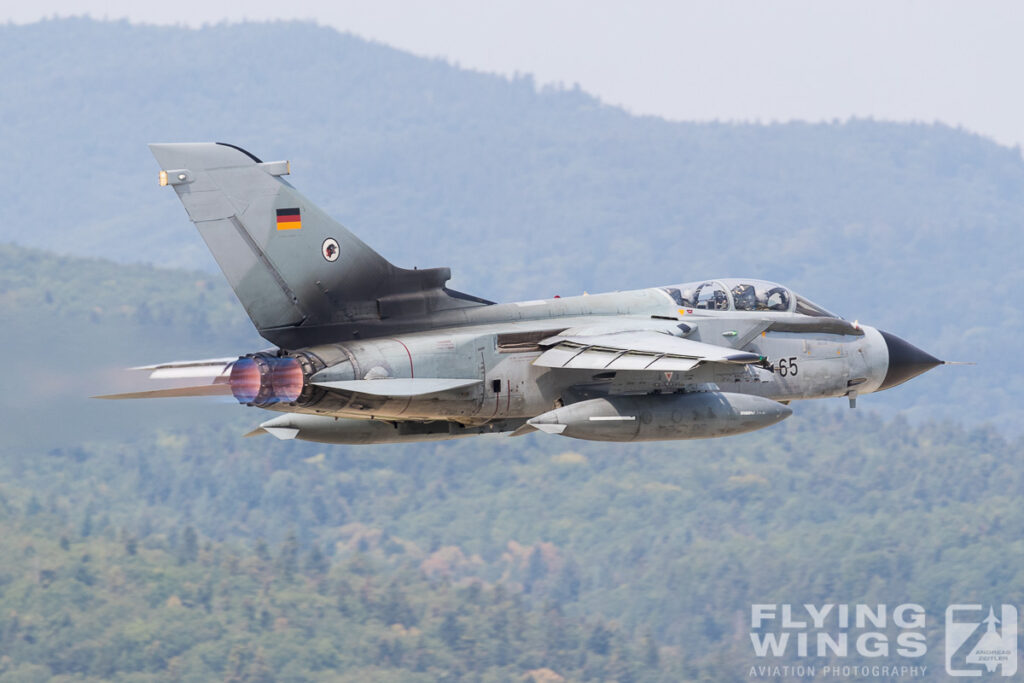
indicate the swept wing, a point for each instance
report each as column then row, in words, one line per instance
column 635, row 350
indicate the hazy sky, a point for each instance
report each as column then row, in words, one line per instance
column 926, row 60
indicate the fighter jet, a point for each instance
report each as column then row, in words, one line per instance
column 367, row 352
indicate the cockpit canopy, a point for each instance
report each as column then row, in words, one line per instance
column 743, row 295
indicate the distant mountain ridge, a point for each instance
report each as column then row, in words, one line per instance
column 524, row 192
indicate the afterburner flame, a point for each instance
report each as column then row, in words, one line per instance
column 245, row 380
column 286, row 379
column 263, row 380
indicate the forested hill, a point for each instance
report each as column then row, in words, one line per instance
column 524, row 191
column 431, row 163
column 148, row 540
column 190, row 553
column 194, row 555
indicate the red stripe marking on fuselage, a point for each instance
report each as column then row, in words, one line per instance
column 412, row 373
column 408, row 401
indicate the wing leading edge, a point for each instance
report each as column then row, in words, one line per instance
column 640, row 350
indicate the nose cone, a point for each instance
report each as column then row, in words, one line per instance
column 906, row 361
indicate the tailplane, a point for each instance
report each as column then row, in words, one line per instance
column 302, row 277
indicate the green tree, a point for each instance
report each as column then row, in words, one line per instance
column 316, row 562
column 600, row 639
column 649, row 647
column 33, row 507
column 262, row 550
column 85, row 531
column 188, row 549
column 536, row 569
column 450, row 631
column 288, row 557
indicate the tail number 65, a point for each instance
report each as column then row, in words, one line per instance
column 787, row 366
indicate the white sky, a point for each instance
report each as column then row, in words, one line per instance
column 924, row 60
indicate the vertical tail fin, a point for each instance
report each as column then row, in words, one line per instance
column 293, row 267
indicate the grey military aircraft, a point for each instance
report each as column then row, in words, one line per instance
column 367, row 352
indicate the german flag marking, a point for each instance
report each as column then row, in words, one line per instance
column 289, row 219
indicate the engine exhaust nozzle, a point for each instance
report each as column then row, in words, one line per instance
column 261, row 380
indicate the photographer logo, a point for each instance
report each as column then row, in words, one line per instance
column 977, row 644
